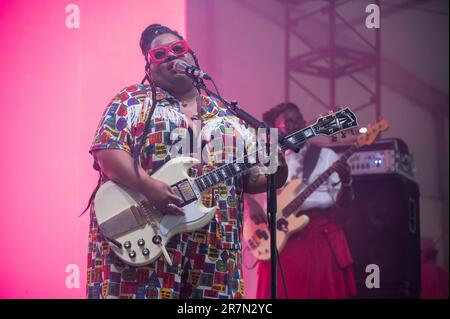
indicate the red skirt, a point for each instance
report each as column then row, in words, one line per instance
column 316, row 264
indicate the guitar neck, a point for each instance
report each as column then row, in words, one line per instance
column 300, row 199
column 300, row 136
column 243, row 164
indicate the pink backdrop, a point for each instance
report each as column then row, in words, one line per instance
column 54, row 85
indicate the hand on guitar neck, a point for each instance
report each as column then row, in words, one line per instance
column 346, row 195
column 257, row 183
column 342, row 168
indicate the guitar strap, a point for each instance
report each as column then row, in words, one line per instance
column 310, row 161
column 97, row 167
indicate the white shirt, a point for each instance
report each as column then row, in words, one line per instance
column 326, row 194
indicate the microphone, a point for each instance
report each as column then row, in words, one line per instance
column 190, row 70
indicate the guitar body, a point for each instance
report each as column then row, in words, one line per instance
column 257, row 234
column 113, row 201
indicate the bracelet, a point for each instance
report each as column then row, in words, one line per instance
column 347, row 184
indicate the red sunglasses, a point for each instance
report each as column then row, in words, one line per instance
column 159, row 54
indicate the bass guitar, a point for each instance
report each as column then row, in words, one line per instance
column 290, row 217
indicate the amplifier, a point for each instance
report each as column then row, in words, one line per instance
column 385, row 156
column 382, row 226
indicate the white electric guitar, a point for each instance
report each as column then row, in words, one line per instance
column 138, row 232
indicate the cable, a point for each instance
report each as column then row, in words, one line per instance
column 217, row 90
column 282, row 275
column 280, row 266
column 243, row 259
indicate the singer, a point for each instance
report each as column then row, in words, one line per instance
column 206, row 262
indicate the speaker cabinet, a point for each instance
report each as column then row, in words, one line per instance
column 382, row 228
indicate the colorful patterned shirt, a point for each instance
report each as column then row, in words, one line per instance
column 122, row 125
column 209, row 257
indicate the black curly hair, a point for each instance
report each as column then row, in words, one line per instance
column 271, row 115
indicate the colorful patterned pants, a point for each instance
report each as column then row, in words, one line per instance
column 199, row 271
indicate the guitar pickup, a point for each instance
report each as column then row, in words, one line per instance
column 184, row 190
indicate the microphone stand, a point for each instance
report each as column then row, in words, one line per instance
column 271, row 190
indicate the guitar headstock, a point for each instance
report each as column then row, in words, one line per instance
column 339, row 121
column 372, row 133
